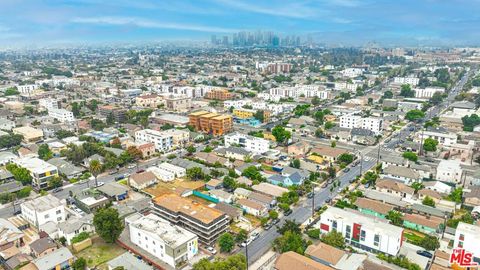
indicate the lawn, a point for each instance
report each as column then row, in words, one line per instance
column 100, row 253
column 413, row 236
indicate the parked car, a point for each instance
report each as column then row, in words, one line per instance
column 310, row 195
column 424, row 253
column 99, row 184
column 328, row 200
column 275, row 221
column 140, row 171
column 288, row 212
column 346, row 170
column 56, row 190
column 212, row 250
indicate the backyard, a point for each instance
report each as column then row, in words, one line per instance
column 99, row 253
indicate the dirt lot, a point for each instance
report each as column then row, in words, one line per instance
column 177, row 186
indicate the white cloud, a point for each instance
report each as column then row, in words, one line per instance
column 150, row 24
column 290, row 10
column 346, row 3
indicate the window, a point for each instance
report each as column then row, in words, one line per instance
column 348, row 231
column 376, row 240
column 59, row 212
column 334, row 225
column 462, row 237
column 47, row 216
column 362, row 235
column 460, row 244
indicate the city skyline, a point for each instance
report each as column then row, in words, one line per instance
column 335, row 22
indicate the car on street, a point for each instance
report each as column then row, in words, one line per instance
column 351, row 181
column 424, row 253
column 275, row 221
column 99, row 184
column 131, row 166
column 346, row 170
column 328, row 200
column 325, row 185
column 310, row 195
column 140, row 171
column 288, row 212
column 56, row 190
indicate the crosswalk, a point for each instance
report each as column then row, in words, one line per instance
column 368, row 158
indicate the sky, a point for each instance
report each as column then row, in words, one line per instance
column 336, row 22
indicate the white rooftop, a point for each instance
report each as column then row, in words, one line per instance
column 171, row 234
column 35, row 165
column 43, row 203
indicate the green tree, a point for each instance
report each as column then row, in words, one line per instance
column 62, row 134
column 8, row 141
column 369, row 178
column 430, row 242
column 252, row 173
column 314, row 233
column 295, row 163
column 428, row 201
column 55, row 182
column 333, row 144
column 195, row 174
column 242, row 236
column 110, row 119
column 95, row 168
column 315, row 101
column 11, row 91
column 469, row 122
column 234, row 262
column 191, row 149
column 456, row 195
column 79, row 264
column 260, row 115
column 290, row 225
column 20, row 174
column 417, row 186
column 437, row 98
column 388, row 94
column 229, row 182
column 410, row 156
column 414, row 115
column 290, row 241
column 226, row 242
column 44, row 152
column 346, row 158
column 272, row 214
column 334, row 239
column 329, row 125
column 406, row 91
column 281, row 135
column 108, row 224
column 75, row 109
column 395, row 217
column 430, row 145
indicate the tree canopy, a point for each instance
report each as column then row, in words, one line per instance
column 108, row 224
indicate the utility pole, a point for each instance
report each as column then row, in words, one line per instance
column 246, row 252
column 378, row 153
column 361, row 164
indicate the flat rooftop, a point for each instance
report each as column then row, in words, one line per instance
column 188, row 207
column 44, row 203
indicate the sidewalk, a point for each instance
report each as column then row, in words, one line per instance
column 265, row 262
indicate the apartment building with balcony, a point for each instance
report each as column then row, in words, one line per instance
column 207, row 223
column 212, row 123
column 362, row 231
column 219, row 94
column 40, row 170
column 250, row 143
column 163, row 142
column 61, row 115
column 169, row 243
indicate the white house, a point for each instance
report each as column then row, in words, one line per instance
column 250, row 143
column 449, row 171
column 74, row 226
column 43, row 209
column 443, row 136
column 176, row 170
column 167, row 242
column 6, row 124
column 162, row 174
column 467, row 236
column 40, row 170
column 61, row 115
column 413, row 81
column 48, row 103
column 428, row 92
column 252, row 207
column 367, row 233
column 438, row 187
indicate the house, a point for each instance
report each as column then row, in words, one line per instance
column 61, row 258
column 449, row 171
column 395, row 188
column 472, row 197
column 42, row 246
column 74, row 226
column 161, row 174
column 170, row 243
column 234, row 213
column 438, row 186
column 114, row 191
column 147, row 149
column 334, row 257
column 252, row 207
column 128, row 261
column 269, row 189
column 423, row 193
column 362, row 231
column 291, row 260
column 328, row 153
column 293, row 179
column 86, row 161
column 7, row 157
column 214, row 184
column 237, row 153
column 30, row 134
column 252, row 144
column 425, row 224
column 372, row 207
column 142, row 180
column 89, row 200
column 221, row 196
column 299, row 149
column 66, row 168
column 241, row 193
column 363, row 136
column 42, row 210
column 404, row 174
column 266, row 200
column 10, row 235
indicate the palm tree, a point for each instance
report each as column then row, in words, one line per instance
column 95, row 168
